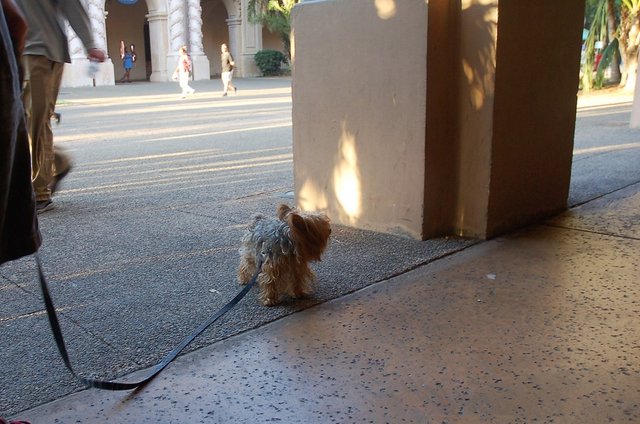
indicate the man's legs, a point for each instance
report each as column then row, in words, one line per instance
column 225, row 82
column 230, row 83
column 42, row 81
column 61, row 167
column 61, row 161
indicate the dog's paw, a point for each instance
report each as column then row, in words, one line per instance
column 269, row 302
column 301, row 294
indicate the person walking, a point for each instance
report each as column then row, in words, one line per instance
column 228, row 66
column 45, row 53
column 127, row 64
column 182, row 72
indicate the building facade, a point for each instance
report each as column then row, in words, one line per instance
column 157, row 29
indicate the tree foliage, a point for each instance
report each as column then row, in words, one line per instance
column 615, row 24
column 275, row 15
column 269, row 62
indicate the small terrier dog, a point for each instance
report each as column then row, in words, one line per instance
column 287, row 245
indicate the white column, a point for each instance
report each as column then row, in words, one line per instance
column 95, row 10
column 200, row 62
column 76, row 73
column 159, row 46
column 194, row 12
column 178, row 26
column 76, row 48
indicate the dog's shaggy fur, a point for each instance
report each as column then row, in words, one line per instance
column 287, row 245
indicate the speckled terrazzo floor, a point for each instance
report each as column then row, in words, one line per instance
column 539, row 326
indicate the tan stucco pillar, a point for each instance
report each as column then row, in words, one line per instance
column 427, row 120
column 359, row 86
column 502, row 91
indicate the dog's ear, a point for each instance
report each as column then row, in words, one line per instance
column 297, row 222
column 283, row 210
column 309, row 235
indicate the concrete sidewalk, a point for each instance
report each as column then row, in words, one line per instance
column 541, row 325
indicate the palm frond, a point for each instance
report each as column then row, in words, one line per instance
column 608, row 55
column 597, row 32
column 275, row 15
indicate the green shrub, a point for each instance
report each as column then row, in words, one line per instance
column 269, row 61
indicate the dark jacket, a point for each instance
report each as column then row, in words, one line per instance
column 19, row 234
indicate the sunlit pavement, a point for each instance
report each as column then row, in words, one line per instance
column 541, row 325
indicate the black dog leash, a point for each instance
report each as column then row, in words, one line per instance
column 114, row 385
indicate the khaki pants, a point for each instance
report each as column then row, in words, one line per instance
column 41, row 84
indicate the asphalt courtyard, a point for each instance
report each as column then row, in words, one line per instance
column 142, row 245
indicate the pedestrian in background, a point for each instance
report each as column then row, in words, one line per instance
column 45, row 53
column 228, row 66
column 183, row 71
column 127, row 64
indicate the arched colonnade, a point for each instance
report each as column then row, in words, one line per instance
column 158, row 28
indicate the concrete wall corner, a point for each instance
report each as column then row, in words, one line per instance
column 359, row 93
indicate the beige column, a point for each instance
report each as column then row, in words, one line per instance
column 234, row 25
column 452, row 118
column 251, row 44
column 516, row 112
column 158, row 29
column 359, row 93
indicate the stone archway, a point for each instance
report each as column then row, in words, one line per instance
column 158, row 28
column 127, row 23
column 224, row 21
column 161, row 27
column 214, row 31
